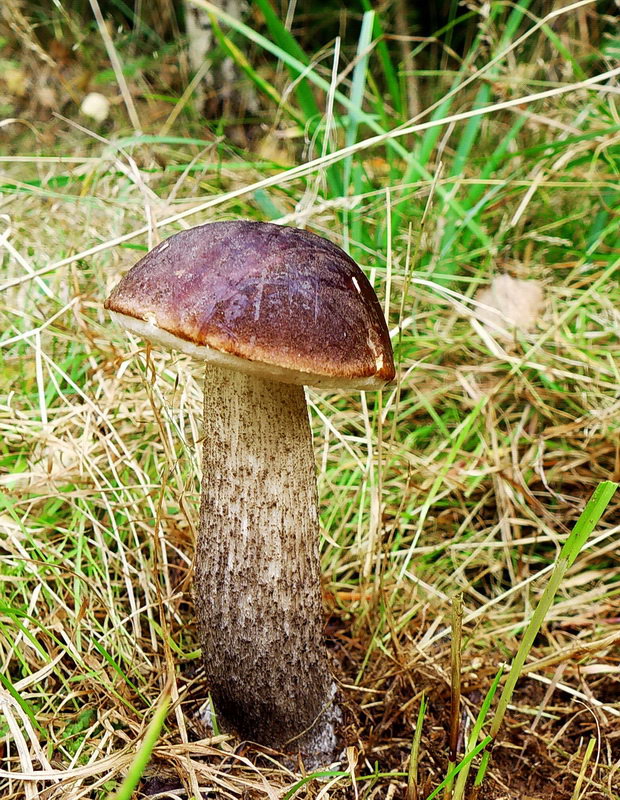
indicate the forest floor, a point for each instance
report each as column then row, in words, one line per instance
column 459, row 483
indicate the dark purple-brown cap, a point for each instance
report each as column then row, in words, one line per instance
column 261, row 298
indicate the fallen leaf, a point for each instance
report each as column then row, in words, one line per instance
column 509, row 303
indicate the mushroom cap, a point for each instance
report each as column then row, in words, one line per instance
column 261, row 298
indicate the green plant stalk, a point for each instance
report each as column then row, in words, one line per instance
column 287, row 42
column 126, row 789
column 458, row 436
column 461, row 780
column 311, row 113
column 300, row 784
column 472, row 127
column 455, row 686
column 584, row 526
column 391, row 74
column 414, row 758
column 242, row 62
column 373, row 776
column 464, row 763
column 213, row 717
column 23, row 704
column 358, row 85
column 477, row 198
column 584, row 766
column 563, row 51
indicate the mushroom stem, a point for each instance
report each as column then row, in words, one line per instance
column 257, row 584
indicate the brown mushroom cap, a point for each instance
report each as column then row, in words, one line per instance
column 262, row 298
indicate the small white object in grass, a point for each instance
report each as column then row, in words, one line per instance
column 96, row 106
column 509, row 303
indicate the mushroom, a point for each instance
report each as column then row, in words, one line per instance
column 269, row 309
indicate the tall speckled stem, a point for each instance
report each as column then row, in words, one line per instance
column 257, row 584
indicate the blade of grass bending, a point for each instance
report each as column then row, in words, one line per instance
column 417, row 169
column 143, row 756
column 312, row 115
column 23, row 704
column 584, row 526
column 430, row 137
column 313, row 775
column 601, row 219
column 414, row 758
column 358, row 82
column 358, row 86
column 458, row 436
column 464, row 763
column 442, row 107
column 588, row 520
column 390, row 74
column 461, row 780
column 478, row 196
column 287, row 42
column 470, row 132
column 118, row 669
column 231, row 49
column 564, row 51
column 472, row 127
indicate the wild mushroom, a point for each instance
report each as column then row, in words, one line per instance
column 269, row 309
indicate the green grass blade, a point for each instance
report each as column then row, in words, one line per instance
column 471, row 131
column 358, row 82
column 564, row 51
column 414, row 756
column 143, row 755
column 140, row 26
column 244, row 65
column 455, row 685
column 300, row 784
column 288, row 44
column 430, row 137
column 358, row 86
column 472, row 127
column 389, row 71
column 23, row 704
column 416, row 169
column 476, row 199
column 459, row 787
column 460, row 766
column 588, row 520
column 584, row 766
column 583, row 528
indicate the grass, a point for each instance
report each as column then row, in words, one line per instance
column 462, row 483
